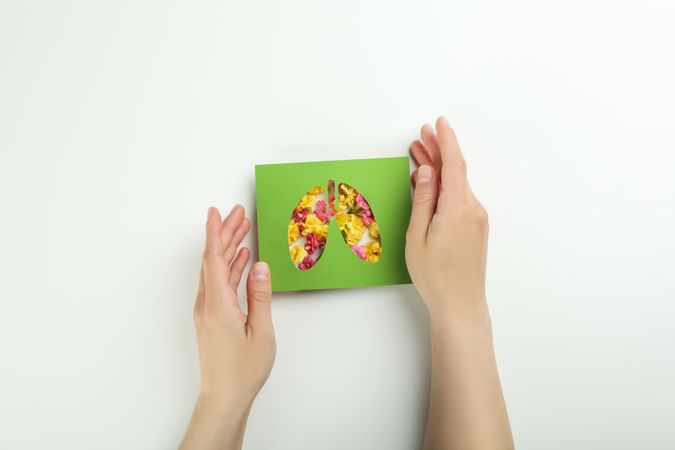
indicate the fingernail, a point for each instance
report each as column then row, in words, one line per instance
column 445, row 121
column 423, row 174
column 261, row 271
column 208, row 213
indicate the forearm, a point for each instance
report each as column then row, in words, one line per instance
column 466, row 409
column 216, row 424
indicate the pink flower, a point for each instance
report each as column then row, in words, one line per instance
column 313, row 244
column 320, row 211
column 306, row 263
column 299, row 215
column 363, row 204
column 331, row 204
column 359, row 251
column 366, row 214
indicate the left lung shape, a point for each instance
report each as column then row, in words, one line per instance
column 357, row 224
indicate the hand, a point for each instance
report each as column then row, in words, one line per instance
column 446, row 243
column 446, row 247
column 236, row 350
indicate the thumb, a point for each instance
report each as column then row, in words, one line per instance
column 259, row 292
column 424, row 203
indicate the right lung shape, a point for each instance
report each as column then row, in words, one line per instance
column 308, row 229
column 357, row 224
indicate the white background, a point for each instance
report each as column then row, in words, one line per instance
column 121, row 122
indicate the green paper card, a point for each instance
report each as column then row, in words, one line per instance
column 334, row 224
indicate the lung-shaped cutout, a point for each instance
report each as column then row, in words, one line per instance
column 308, row 228
column 357, row 224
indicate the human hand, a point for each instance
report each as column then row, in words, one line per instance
column 446, row 249
column 236, row 350
column 446, row 243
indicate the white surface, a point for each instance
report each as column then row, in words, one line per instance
column 120, row 122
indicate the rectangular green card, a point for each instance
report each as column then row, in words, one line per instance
column 313, row 239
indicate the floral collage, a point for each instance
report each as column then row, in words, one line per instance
column 308, row 227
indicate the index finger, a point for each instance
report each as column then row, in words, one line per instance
column 454, row 166
column 213, row 262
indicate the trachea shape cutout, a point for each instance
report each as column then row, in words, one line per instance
column 308, row 227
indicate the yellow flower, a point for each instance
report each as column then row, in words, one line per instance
column 353, row 229
column 347, row 198
column 346, row 189
column 311, row 224
column 355, row 223
column 293, row 233
column 373, row 251
column 353, row 236
column 351, row 226
column 298, row 253
column 307, row 201
column 316, row 190
column 341, row 219
column 314, row 225
column 374, row 230
column 346, row 202
column 321, row 231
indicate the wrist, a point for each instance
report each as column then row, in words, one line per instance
column 217, row 423
column 223, row 406
column 460, row 333
column 460, row 312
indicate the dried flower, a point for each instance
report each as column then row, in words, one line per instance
column 347, row 197
column 307, row 201
column 313, row 244
column 359, row 251
column 293, row 233
column 298, row 253
column 373, row 251
column 374, row 230
column 320, row 211
column 307, row 263
column 299, row 214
